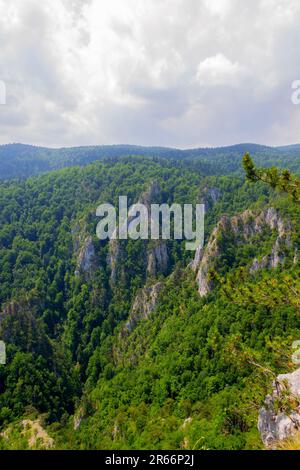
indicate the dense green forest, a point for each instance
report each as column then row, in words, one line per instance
column 111, row 345
column 22, row 161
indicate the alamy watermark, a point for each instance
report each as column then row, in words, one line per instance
column 154, row 222
column 295, row 97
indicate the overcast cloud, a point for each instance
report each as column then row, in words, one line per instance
column 181, row 73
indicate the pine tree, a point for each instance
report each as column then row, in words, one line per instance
column 282, row 180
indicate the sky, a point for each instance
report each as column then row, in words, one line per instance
column 180, row 73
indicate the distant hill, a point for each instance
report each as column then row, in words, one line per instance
column 22, row 161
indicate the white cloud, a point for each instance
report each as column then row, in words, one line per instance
column 218, row 70
column 218, row 7
column 174, row 72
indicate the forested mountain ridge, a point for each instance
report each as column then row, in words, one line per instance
column 110, row 345
column 22, row 161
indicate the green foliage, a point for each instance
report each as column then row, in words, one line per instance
column 194, row 374
column 277, row 179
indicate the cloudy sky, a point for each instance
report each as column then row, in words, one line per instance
column 181, row 73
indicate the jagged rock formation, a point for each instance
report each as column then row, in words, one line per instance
column 156, row 258
column 203, row 261
column 296, row 256
column 279, row 419
column 241, row 229
column 32, row 432
column 114, row 258
column 152, row 195
column 209, row 196
column 78, row 418
column 84, row 250
column 143, row 305
column 86, row 256
column 2, row 353
column 36, row 434
column 272, row 260
column 283, row 240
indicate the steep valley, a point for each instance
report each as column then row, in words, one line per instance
column 140, row 344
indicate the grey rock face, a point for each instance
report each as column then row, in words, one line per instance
column 84, row 249
column 85, row 256
column 257, row 265
column 205, row 257
column 242, row 228
column 144, row 304
column 197, row 258
column 2, row 353
column 114, row 258
column 158, row 259
column 274, row 259
column 296, row 256
column 209, row 196
column 277, row 421
column 152, row 195
column 78, row 418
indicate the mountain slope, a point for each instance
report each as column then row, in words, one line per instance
column 22, row 161
column 109, row 344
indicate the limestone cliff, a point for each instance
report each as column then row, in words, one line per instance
column 155, row 257
column 209, row 196
column 152, row 195
column 279, row 418
column 114, row 256
column 84, row 250
column 144, row 304
column 238, row 230
column 86, row 256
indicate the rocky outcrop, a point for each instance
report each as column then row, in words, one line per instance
column 84, row 249
column 151, row 196
column 2, row 353
column 157, row 259
column 241, row 229
column 296, row 256
column 209, row 196
column 32, row 432
column 78, row 418
column 279, row 418
column 157, row 256
column 203, row 261
column 277, row 255
column 143, row 305
column 272, row 260
column 37, row 435
column 85, row 257
column 114, row 256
